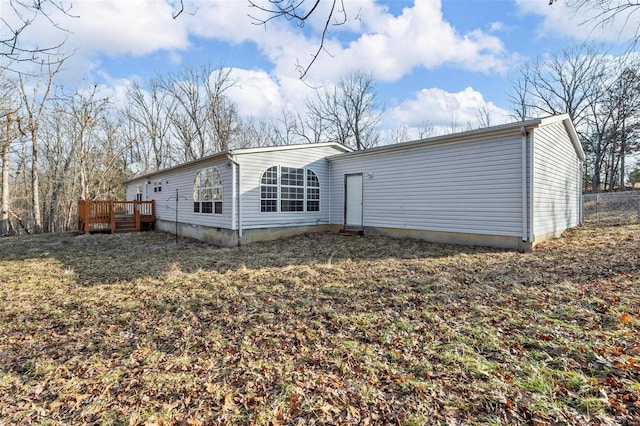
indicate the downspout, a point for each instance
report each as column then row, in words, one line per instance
column 532, row 189
column 523, row 134
column 231, row 158
column 580, row 199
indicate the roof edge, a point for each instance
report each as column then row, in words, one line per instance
column 453, row 137
column 486, row 132
column 242, row 151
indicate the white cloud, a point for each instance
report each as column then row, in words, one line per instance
column 583, row 24
column 372, row 39
column 391, row 46
column 256, row 94
column 388, row 46
column 112, row 27
column 496, row 27
column 445, row 110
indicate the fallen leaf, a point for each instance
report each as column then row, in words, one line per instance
column 228, row 404
column 626, row 318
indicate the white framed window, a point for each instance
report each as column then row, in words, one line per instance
column 157, row 186
column 313, row 192
column 269, row 190
column 207, row 191
column 289, row 189
column 138, row 192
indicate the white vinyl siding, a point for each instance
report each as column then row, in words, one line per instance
column 556, row 181
column 458, row 186
column 182, row 179
column 254, row 164
column 132, row 189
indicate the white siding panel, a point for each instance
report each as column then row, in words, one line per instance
column 182, row 180
column 470, row 187
column 556, row 181
column 253, row 165
column 132, row 188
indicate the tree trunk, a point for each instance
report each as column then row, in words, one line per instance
column 4, row 203
column 4, row 210
column 623, row 148
column 35, row 184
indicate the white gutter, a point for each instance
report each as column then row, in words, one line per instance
column 523, row 133
column 231, row 158
column 532, row 162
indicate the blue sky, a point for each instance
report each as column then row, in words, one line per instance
column 432, row 61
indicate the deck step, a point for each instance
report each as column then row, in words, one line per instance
column 125, row 225
column 351, row 231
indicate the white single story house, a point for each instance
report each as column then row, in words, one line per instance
column 512, row 186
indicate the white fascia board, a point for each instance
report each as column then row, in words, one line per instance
column 335, row 145
column 218, row 156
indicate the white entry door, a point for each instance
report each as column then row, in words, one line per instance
column 353, row 200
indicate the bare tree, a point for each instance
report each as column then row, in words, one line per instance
column 484, row 116
column 299, row 11
column 622, row 103
column 8, row 114
column 602, row 102
column 306, row 127
column 252, row 133
column 348, row 111
column 606, row 12
column 17, row 17
column 426, row 130
column 519, row 94
column 204, row 118
column 85, row 110
column 221, row 111
column 33, row 104
column 152, row 109
column 568, row 82
column 399, row 134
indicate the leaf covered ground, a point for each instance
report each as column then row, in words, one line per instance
column 319, row 329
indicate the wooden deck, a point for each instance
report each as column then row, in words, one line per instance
column 121, row 216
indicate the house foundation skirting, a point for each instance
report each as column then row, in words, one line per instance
column 462, row 238
column 550, row 236
column 230, row 238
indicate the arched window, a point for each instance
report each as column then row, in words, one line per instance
column 289, row 189
column 269, row 190
column 207, row 191
column 313, row 192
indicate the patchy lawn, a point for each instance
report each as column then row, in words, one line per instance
column 317, row 329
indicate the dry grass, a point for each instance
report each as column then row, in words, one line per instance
column 317, row 329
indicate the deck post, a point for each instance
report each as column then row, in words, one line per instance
column 86, row 214
column 112, row 217
column 136, row 214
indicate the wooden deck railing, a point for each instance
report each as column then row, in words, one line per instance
column 111, row 212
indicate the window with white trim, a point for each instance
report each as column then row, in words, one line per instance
column 313, row 192
column 269, row 190
column 157, row 186
column 138, row 192
column 207, row 191
column 289, row 189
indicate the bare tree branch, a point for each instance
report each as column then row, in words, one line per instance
column 293, row 10
column 607, row 11
column 20, row 16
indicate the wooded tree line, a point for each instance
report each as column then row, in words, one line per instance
column 601, row 93
column 58, row 147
